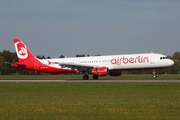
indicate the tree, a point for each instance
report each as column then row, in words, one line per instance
column 97, row 55
column 176, row 56
column 9, row 56
column 48, row 57
column 41, row 57
column 2, row 62
column 176, row 67
column 61, row 56
column 79, row 55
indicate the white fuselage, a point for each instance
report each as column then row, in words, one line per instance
column 121, row 62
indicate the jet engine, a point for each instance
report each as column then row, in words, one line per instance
column 101, row 71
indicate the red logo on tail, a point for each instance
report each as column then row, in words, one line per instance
column 21, row 50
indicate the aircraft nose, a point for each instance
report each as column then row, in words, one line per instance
column 171, row 62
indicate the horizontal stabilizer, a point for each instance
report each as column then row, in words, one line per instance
column 23, row 66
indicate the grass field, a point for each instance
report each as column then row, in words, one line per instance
column 90, row 101
column 75, row 77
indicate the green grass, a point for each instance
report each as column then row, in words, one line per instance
column 75, row 77
column 83, row 101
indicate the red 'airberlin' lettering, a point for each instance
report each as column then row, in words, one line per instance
column 130, row 60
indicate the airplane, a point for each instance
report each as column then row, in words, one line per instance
column 111, row 65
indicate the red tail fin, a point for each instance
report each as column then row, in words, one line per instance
column 23, row 53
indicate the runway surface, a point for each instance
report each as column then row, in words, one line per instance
column 49, row 81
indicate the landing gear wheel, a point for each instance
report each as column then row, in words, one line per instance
column 95, row 77
column 85, row 77
column 154, row 74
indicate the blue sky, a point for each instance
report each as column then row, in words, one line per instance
column 90, row 27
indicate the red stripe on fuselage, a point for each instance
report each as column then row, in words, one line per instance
column 35, row 65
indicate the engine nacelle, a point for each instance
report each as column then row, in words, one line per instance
column 115, row 73
column 101, row 71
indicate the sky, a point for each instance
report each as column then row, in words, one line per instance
column 106, row 27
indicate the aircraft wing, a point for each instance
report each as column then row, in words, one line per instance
column 77, row 66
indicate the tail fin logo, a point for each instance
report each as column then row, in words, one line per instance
column 21, row 50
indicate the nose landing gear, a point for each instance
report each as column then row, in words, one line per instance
column 154, row 74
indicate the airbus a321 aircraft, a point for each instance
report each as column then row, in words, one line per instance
column 97, row 65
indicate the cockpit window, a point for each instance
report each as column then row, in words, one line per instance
column 163, row 58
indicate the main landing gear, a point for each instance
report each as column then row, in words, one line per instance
column 154, row 74
column 86, row 77
column 95, row 77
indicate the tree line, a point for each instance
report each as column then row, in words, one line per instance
column 7, row 57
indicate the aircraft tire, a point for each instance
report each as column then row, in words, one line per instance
column 85, row 77
column 95, row 77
